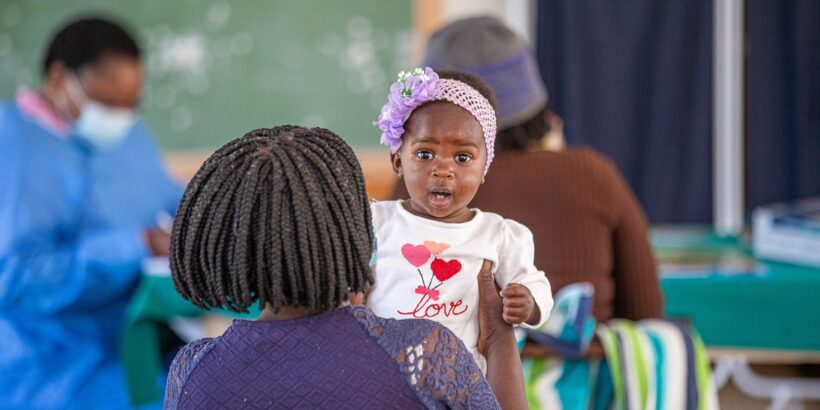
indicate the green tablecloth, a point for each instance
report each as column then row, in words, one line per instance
column 779, row 309
column 776, row 307
column 773, row 306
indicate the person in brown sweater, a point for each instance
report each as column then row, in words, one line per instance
column 585, row 220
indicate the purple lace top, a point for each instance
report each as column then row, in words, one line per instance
column 347, row 358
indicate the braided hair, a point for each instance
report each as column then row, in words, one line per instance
column 280, row 216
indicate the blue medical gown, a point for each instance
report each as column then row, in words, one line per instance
column 71, row 222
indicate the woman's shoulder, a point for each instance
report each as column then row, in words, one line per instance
column 397, row 336
column 434, row 360
column 197, row 348
column 582, row 156
column 392, row 330
column 592, row 159
column 577, row 165
column 587, row 153
column 186, row 360
column 7, row 108
column 11, row 121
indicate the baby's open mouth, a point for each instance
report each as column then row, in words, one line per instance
column 440, row 197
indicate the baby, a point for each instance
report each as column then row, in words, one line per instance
column 441, row 129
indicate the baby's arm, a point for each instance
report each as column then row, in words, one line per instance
column 526, row 290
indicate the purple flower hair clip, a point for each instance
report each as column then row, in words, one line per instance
column 411, row 90
column 418, row 87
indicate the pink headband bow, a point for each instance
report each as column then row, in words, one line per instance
column 418, row 87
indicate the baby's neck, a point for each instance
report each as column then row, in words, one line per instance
column 459, row 216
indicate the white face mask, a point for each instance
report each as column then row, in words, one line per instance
column 102, row 126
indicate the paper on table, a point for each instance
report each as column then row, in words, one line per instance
column 704, row 263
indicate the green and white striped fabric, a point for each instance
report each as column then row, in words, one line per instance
column 652, row 364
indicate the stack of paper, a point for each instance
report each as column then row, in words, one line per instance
column 788, row 232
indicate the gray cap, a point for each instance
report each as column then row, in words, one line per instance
column 486, row 47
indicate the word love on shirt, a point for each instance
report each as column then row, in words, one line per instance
column 426, row 310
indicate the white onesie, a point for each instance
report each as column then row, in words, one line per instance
column 428, row 269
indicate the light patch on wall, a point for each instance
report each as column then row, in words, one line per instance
column 241, row 43
column 293, row 57
column 12, row 15
column 183, row 53
column 218, row 15
column 313, row 120
column 165, row 97
column 181, row 119
column 6, row 45
column 197, row 84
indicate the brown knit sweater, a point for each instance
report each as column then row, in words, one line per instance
column 586, row 223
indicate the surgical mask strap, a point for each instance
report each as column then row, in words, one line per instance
column 75, row 89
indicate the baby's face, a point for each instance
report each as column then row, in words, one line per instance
column 442, row 161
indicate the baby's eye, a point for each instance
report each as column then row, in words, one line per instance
column 424, row 154
column 463, row 157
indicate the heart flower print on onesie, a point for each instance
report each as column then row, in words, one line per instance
column 442, row 270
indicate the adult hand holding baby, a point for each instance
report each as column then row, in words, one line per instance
column 496, row 342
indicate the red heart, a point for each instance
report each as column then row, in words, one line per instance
column 417, row 255
column 445, row 270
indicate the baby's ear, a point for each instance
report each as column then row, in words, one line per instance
column 395, row 160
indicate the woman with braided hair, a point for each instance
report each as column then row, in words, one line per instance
column 281, row 216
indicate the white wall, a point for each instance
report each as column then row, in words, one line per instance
column 518, row 14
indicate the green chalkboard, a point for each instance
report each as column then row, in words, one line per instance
column 216, row 69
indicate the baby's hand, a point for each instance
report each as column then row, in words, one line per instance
column 519, row 305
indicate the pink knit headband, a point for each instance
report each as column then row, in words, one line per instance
column 418, row 87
